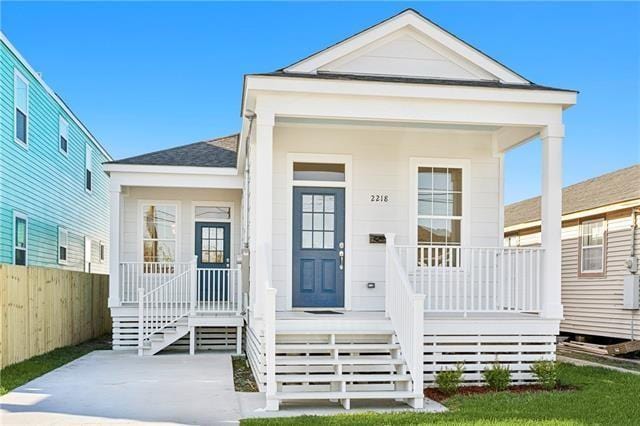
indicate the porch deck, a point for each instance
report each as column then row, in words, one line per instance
column 302, row 315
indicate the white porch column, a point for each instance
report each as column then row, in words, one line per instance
column 551, row 214
column 114, row 244
column 263, row 175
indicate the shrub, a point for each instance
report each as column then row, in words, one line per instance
column 497, row 376
column 448, row 381
column 546, row 373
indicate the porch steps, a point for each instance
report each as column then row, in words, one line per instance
column 348, row 361
column 166, row 337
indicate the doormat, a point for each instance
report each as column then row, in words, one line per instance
column 324, row 312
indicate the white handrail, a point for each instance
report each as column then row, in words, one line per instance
column 405, row 308
column 219, row 290
column 148, row 275
column 475, row 279
column 164, row 305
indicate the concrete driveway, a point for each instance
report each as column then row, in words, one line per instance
column 117, row 387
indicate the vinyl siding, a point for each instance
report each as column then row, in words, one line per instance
column 593, row 305
column 44, row 184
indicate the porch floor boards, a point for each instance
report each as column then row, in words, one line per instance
column 379, row 315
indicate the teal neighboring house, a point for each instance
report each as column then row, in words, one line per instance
column 54, row 196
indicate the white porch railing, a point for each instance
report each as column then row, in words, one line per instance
column 219, row 290
column 405, row 308
column 165, row 304
column 148, row 276
column 475, row 279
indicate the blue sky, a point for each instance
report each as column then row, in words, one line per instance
column 149, row 75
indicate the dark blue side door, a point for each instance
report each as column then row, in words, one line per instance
column 213, row 248
column 318, row 247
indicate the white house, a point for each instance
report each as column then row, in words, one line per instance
column 396, row 134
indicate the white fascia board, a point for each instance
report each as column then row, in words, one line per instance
column 407, row 90
column 51, row 93
column 411, row 19
column 121, row 179
column 170, row 170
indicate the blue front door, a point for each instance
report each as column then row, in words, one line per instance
column 213, row 247
column 318, row 247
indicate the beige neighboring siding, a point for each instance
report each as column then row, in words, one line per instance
column 593, row 305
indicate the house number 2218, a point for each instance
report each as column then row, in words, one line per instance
column 379, row 198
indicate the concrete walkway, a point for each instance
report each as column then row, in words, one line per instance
column 115, row 387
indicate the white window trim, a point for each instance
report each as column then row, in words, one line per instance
column 62, row 123
column 414, row 164
column 62, row 230
column 140, row 231
column 347, row 185
column 18, row 215
column 18, row 75
column 88, row 167
column 583, row 247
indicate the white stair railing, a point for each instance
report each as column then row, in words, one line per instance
column 405, row 308
column 146, row 275
column 165, row 304
column 475, row 279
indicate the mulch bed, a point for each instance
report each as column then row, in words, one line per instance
column 438, row 396
column 242, row 376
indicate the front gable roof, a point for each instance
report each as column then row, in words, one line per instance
column 407, row 45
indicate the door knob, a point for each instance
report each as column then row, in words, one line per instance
column 341, row 254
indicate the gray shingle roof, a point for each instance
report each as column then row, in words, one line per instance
column 610, row 188
column 219, row 152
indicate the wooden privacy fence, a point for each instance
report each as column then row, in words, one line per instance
column 42, row 309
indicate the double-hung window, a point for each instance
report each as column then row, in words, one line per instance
column 63, row 245
column 63, row 136
column 592, row 254
column 21, row 108
column 159, row 224
column 439, row 215
column 88, row 183
column 20, row 239
column 102, row 250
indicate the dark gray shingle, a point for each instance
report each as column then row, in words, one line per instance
column 219, row 152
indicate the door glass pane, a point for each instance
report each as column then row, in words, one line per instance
column 307, row 203
column 306, row 221
column 328, row 240
column 317, row 240
column 306, row 239
column 318, row 203
column 328, row 222
column 220, row 233
column 318, row 222
column 329, row 201
column 205, row 232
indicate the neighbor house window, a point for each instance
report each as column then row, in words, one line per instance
column 88, row 169
column 21, row 107
column 20, row 239
column 63, row 245
column 159, row 233
column 512, row 241
column 592, row 246
column 102, row 250
column 439, row 213
column 63, row 136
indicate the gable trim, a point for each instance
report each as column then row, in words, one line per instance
column 414, row 19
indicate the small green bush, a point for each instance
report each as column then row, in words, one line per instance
column 497, row 376
column 448, row 381
column 547, row 373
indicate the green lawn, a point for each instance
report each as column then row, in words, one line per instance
column 18, row 374
column 602, row 397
